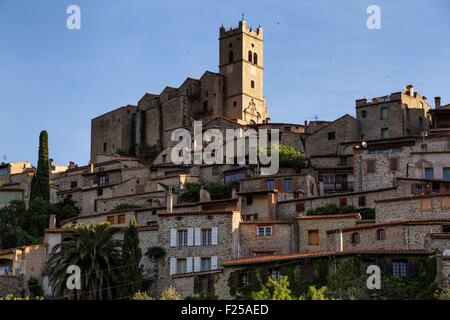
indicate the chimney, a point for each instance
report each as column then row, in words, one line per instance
column 52, row 221
column 204, row 195
column 169, row 207
column 437, row 102
column 410, row 90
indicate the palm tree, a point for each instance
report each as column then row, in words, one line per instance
column 96, row 252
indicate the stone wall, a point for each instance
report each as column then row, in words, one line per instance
column 280, row 242
column 11, row 285
column 322, row 224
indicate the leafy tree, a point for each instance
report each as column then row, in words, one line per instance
column 125, row 206
column 274, row 290
column 191, row 192
column 65, row 209
column 96, row 252
column 332, row 208
column 289, row 157
column 35, row 287
column 20, row 226
column 139, row 295
column 40, row 184
column 148, row 153
column 170, row 293
column 131, row 257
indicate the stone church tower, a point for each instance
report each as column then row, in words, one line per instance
column 234, row 95
column 242, row 64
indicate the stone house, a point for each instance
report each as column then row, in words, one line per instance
column 312, row 229
column 196, row 245
column 396, row 115
column 261, row 238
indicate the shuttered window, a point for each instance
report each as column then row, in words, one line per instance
column 426, row 204
column 182, row 238
column 313, row 237
column 371, row 166
column 121, row 219
column 111, row 219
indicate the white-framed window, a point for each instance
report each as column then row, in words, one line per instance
column 181, row 266
column 182, row 237
column 206, row 237
column 275, row 274
column 102, row 181
column 399, row 268
column 264, row 231
column 205, row 264
column 243, row 280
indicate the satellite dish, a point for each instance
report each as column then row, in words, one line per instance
column 446, row 253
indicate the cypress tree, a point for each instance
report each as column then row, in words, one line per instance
column 131, row 257
column 40, row 185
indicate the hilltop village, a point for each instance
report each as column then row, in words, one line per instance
column 374, row 186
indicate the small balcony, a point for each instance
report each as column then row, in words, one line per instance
column 336, row 187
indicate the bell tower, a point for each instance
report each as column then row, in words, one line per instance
column 242, row 64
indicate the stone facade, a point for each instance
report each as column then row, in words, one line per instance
column 255, row 240
column 190, row 257
column 396, row 115
column 312, row 230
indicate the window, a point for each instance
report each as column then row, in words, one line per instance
column 384, row 133
column 370, row 166
column 182, row 238
column 73, row 184
column 205, row 106
column 381, row 234
column 215, row 171
column 288, row 184
column 205, row 264
column 429, row 173
column 364, row 113
column 252, row 84
column 243, row 280
column 446, row 228
column 270, row 184
column 361, row 201
column 250, row 56
column 393, row 164
column 446, row 173
column 399, row 269
column 275, row 274
column 99, row 192
column 230, row 56
column 110, row 219
column 249, row 200
column 343, row 162
column 343, row 201
column 426, row 204
column 255, row 58
column 203, row 284
column 121, row 219
column 331, row 135
column 264, row 231
column 102, row 181
column 104, row 147
column 181, row 266
column 206, row 237
column 384, row 113
column 355, row 238
column 313, row 237
column 328, row 179
column 300, row 207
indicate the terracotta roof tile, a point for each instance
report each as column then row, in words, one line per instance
column 318, row 254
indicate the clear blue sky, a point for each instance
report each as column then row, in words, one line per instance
column 319, row 58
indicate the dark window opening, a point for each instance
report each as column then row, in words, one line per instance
column 331, row 135
column 230, row 56
column 255, row 58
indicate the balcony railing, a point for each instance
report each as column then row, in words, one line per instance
column 334, row 186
